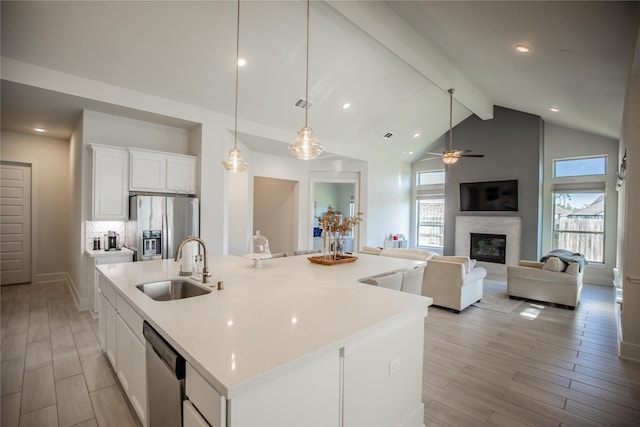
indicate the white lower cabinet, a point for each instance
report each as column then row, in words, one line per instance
column 304, row 395
column 107, row 323
column 120, row 336
column 132, row 368
column 211, row 404
column 99, row 258
column 374, row 381
column 191, row 417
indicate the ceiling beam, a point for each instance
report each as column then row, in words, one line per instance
column 378, row 20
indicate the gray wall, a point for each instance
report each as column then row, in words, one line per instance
column 274, row 212
column 512, row 145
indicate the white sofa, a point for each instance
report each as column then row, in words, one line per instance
column 549, row 282
column 452, row 281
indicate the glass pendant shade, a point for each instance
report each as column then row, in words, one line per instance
column 235, row 162
column 306, row 147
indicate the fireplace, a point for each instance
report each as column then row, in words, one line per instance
column 488, row 247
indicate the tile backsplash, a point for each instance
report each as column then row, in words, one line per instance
column 100, row 228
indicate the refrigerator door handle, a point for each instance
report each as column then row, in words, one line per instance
column 165, row 238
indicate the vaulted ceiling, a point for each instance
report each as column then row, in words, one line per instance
column 392, row 61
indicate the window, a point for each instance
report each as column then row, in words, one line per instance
column 430, row 209
column 431, row 222
column 430, row 178
column 578, row 224
column 579, row 205
column 580, row 167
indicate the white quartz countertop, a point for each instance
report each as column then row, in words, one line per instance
column 112, row 252
column 270, row 318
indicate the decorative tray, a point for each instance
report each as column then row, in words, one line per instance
column 328, row 259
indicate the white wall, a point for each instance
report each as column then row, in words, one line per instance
column 630, row 267
column 389, row 200
column 50, row 194
column 561, row 142
column 107, row 129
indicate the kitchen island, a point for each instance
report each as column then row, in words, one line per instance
column 292, row 343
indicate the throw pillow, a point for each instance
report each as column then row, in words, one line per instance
column 573, row 268
column 554, row 264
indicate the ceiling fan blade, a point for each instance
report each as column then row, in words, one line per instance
column 437, row 156
column 471, row 155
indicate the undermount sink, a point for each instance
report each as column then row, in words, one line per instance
column 169, row 290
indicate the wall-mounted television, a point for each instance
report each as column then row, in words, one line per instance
column 489, row 196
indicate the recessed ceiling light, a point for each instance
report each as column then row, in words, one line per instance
column 554, row 109
column 39, row 130
column 346, row 105
column 523, row 48
column 416, row 135
column 242, row 62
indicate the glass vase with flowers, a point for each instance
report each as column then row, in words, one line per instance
column 335, row 229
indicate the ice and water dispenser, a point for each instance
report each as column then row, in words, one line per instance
column 151, row 243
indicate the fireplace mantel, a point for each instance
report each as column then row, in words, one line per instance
column 511, row 226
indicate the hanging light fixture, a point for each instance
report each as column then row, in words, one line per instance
column 449, row 156
column 306, row 147
column 235, row 162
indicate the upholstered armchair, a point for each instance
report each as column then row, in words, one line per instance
column 551, row 281
column 453, row 282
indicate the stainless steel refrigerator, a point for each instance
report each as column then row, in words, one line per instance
column 157, row 225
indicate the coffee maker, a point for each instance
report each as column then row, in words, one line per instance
column 111, row 241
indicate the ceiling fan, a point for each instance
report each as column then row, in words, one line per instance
column 451, row 156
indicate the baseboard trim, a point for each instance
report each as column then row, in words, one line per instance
column 74, row 292
column 50, row 277
column 630, row 351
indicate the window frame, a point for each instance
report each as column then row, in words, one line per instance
column 554, row 163
column 432, row 191
column 594, row 183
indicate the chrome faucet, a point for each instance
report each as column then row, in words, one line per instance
column 205, row 269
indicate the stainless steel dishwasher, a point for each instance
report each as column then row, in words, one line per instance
column 165, row 380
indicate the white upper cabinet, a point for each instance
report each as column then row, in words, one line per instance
column 110, row 176
column 162, row 172
column 148, row 171
column 181, row 174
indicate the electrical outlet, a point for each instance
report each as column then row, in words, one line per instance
column 394, row 366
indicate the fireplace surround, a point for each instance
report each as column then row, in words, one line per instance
column 510, row 226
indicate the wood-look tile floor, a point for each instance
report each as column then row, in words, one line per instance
column 53, row 370
column 538, row 365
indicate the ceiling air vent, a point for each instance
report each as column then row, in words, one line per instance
column 302, row 104
column 388, row 135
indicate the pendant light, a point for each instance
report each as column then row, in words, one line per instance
column 235, row 162
column 306, row 147
column 449, row 157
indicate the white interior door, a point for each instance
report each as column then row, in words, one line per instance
column 15, row 223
